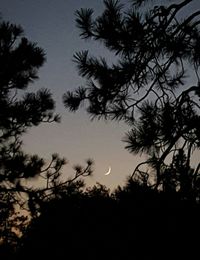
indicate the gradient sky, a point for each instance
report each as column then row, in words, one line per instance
column 50, row 23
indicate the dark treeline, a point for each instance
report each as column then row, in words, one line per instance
column 155, row 215
column 134, row 222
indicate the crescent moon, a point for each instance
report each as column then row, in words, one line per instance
column 109, row 170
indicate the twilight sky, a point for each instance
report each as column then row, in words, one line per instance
column 51, row 24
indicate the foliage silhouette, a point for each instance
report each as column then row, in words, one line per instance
column 134, row 222
column 146, row 89
column 148, row 86
column 20, row 60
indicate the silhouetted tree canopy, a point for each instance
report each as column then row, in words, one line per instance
column 133, row 222
column 20, row 110
column 20, row 60
column 153, row 85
